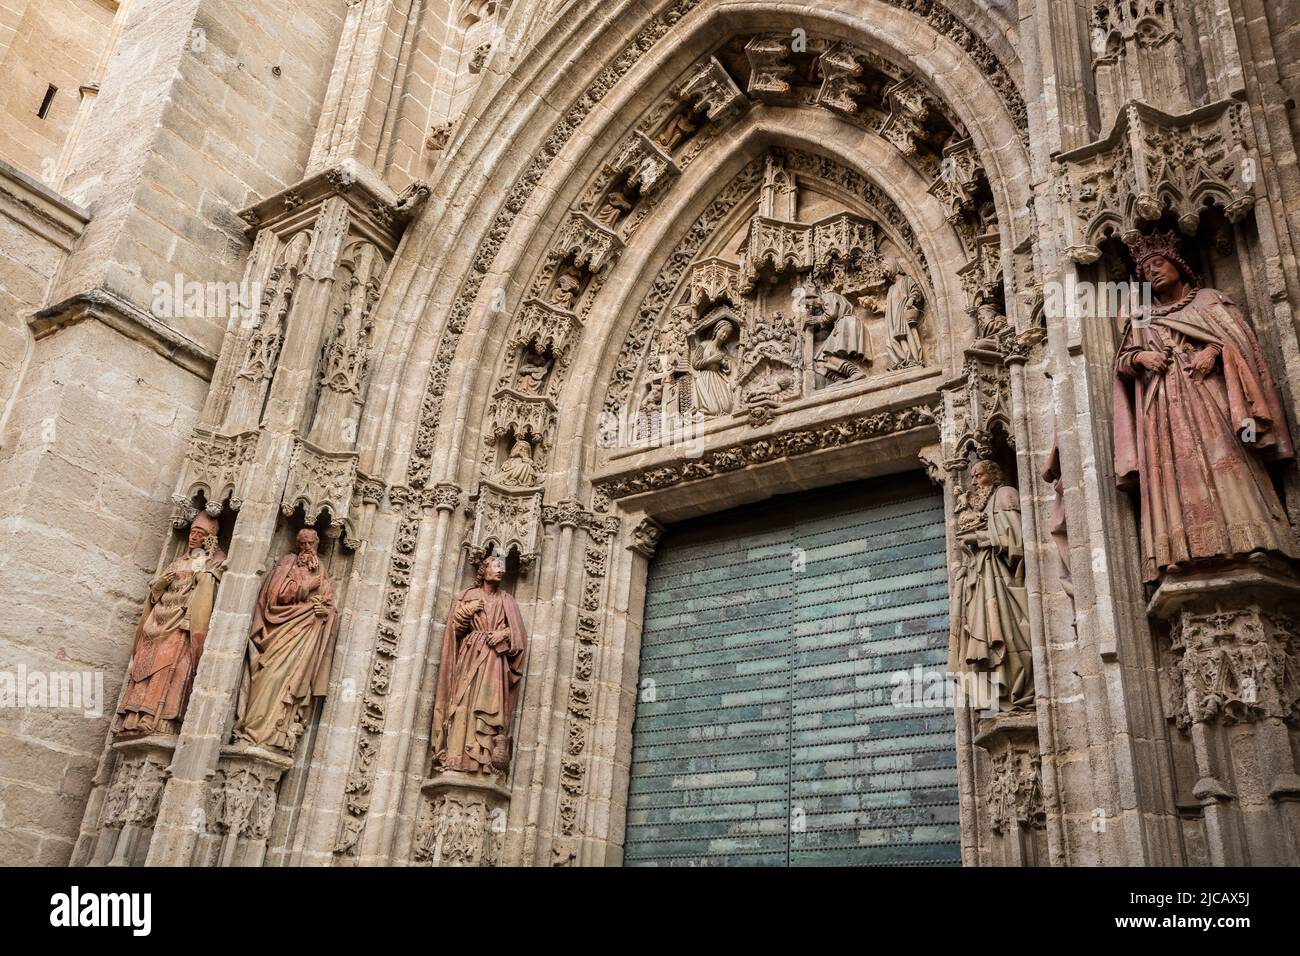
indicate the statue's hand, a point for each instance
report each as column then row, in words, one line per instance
column 1203, row 362
column 1155, row 362
column 472, row 607
column 498, row 638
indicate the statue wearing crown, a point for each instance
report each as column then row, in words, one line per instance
column 1197, row 422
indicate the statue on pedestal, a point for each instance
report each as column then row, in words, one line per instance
column 1197, row 419
column 482, row 661
column 290, row 649
column 169, row 639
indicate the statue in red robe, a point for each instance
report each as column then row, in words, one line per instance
column 290, row 648
column 169, row 639
column 478, row 677
column 1197, row 419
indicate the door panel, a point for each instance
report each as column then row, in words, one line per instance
column 765, row 732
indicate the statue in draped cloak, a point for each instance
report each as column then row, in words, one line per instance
column 482, row 662
column 1197, row 421
column 169, row 639
column 290, row 649
column 991, row 620
column 903, row 304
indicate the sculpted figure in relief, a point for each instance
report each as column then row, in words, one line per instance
column 903, row 305
column 519, row 468
column 712, row 367
column 617, row 204
column 1197, row 417
column 482, row 662
column 169, row 639
column 847, row 350
column 567, row 284
column 991, row 622
column 290, row 649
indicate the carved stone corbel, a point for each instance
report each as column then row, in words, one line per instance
column 462, row 821
column 1014, row 814
column 646, row 536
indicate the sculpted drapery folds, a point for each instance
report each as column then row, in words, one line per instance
column 1197, row 417
column 290, row 648
column 482, row 663
column 991, row 621
column 712, row 366
column 903, row 305
column 169, row 638
column 847, row 350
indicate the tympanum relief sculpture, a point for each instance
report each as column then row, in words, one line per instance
column 1197, row 421
column 482, row 662
column 169, row 639
column 290, row 649
column 816, row 284
column 990, row 618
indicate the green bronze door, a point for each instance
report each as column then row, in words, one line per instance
column 768, row 729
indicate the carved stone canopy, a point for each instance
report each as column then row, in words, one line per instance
column 1153, row 163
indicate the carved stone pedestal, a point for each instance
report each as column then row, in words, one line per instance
column 240, row 806
column 1231, row 680
column 1013, row 818
column 462, row 821
column 140, row 771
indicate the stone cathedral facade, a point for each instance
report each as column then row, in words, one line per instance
column 574, row 433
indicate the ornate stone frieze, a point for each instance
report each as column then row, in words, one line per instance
column 321, row 482
column 788, row 444
column 1153, row 162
